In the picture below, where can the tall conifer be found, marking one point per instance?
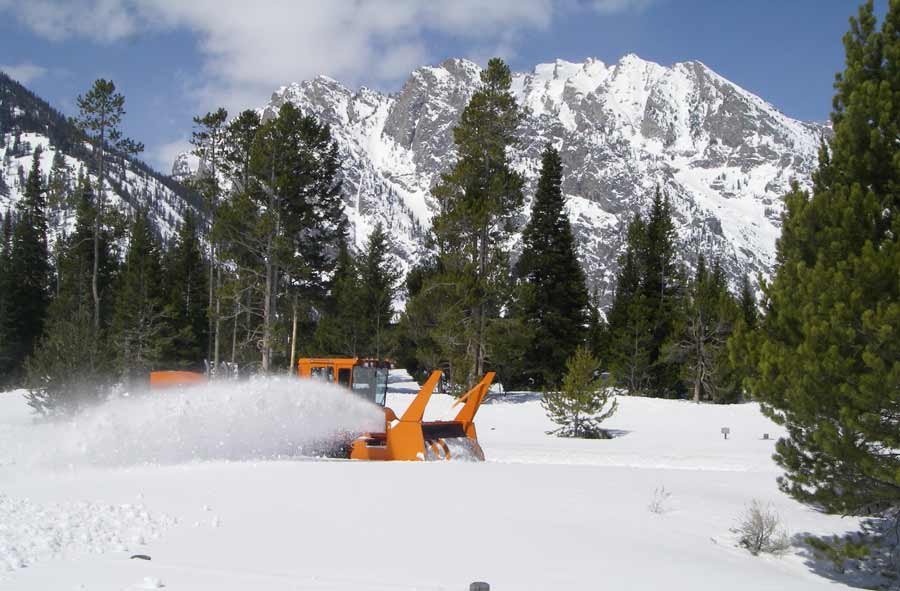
(138, 322)
(29, 266)
(553, 297)
(187, 298)
(828, 364)
(479, 199)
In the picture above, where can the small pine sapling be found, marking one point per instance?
(584, 400)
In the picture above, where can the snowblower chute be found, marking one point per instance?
(409, 438)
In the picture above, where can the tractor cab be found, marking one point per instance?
(367, 378)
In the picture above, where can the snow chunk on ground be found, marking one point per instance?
(31, 533)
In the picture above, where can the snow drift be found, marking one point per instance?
(258, 419)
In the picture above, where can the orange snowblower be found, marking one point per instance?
(409, 438)
(169, 379)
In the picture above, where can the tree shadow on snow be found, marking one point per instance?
(512, 397)
(616, 433)
(878, 569)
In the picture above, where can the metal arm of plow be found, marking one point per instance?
(473, 399)
(416, 410)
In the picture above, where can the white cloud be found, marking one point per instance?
(164, 156)
(616, 6)
(251, 48)
(100, 20)
(23, 73)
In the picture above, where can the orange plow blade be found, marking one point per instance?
(409, 438)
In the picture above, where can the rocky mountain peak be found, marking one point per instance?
(723, 155)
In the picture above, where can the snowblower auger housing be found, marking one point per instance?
(408, 438)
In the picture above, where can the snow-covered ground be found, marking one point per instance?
(541, 513)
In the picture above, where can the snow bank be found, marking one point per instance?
(263, 418)
(32, 533)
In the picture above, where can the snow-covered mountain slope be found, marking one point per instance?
(724, 156)
(27, 122)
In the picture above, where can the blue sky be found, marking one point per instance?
(174, 59)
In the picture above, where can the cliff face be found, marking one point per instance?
(723, 155)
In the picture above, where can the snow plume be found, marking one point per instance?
(259, 419)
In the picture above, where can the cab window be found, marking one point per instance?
(326, 374)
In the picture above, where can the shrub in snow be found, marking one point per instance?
(760, 530)
(660, 502)
(584, 400)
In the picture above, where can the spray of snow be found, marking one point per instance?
(258, 419)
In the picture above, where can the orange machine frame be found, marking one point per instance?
(306, 365)
(168, 379)
(406, 438)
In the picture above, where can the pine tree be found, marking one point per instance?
(187, 298)
(553, 297)
(139, 320)
(72, 364)
(584, 401)
(828, 360)
(6, 283)
(208, 140)
(284, 220)
(29, 269)
(379, 278)
(630, 327)
(661, 287)
(748, 304)
(699, 341)
(76, 262)
(340, 331)
(100, 117)
(239, 286)
(478, 201)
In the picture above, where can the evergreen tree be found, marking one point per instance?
(209, 140)
(630, 325)
(699, 341)
(76, 261)
(138, 322)
(828, 357)
(478, 200)
(341, 331)
(661, 287)
(29, 270)
(100, 117)
(553, 297)
(741, 343)
(379, 278)
(6, 283)
(72, 364)
(285, 218)
(748, 304)
(584, 401)
(70, 368)
(187, 298)
(239, 285)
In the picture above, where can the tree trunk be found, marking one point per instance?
(267, 311)
(293, 336)
(234, 329)
(218, 320)
(95, 289)
(210, 304)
